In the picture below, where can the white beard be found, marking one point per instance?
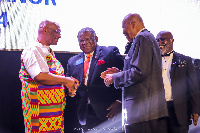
(165, 49)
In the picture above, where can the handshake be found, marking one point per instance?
(108, 75)
(72, 85)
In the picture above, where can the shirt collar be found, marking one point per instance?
(139, 32)
(168, 54)
(43, 46)
(90, 53)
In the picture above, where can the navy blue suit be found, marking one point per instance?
(100, 96)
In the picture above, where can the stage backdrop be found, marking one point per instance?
(19, 20)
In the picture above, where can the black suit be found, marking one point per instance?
(100, 96)
(185, 91)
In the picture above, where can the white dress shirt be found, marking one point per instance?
(166, 68)
(34, 58)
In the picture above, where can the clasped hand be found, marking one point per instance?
(108, 75)
(72, 86)
(194, 117)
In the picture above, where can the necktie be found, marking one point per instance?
(86, 65)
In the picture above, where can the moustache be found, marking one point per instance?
(163, 45)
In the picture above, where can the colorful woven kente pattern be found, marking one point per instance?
(43, 105)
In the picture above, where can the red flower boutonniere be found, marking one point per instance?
(100, 62)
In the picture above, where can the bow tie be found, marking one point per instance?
(168, 54)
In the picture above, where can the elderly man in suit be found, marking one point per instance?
(181, 86)
(144, 102)
(95, 103)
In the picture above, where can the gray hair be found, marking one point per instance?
(86, 29)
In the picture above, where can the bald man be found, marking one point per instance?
(180, 84)
(141, 80)
(43, 81)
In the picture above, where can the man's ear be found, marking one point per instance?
(44, 29)
(96, 38)
(133, 24)
(171, 40)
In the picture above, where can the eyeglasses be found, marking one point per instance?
(87, 40)
(56, 31)
(160, 39)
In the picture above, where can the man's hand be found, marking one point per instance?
(109, 71)
(72, 86)
(115, 109)
(108, 79)
(194, 117)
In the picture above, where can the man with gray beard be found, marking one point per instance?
(180, 84)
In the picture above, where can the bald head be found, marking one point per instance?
(45, 23)
(165, 34)
(132, 24)
(133, 18)
(48, 33)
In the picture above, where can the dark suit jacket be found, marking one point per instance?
(141, 78)
(197, 69)
(184, 88)
(101, 97)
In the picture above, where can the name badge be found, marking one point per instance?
(80, 61)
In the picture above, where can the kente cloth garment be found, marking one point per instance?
(43, 105)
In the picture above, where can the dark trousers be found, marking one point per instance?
(92, 120)
(172, 122)
(152, 126)
(95, 125)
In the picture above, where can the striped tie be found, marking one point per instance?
(86, 65)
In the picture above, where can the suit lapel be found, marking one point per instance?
(79, 67)
(173, 68)
(97, 54)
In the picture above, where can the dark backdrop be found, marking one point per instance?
(11, 116)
